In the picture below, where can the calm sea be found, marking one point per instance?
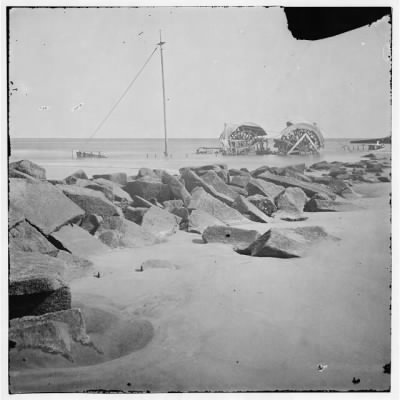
(128, 155)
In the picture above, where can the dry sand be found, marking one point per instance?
(229, 322)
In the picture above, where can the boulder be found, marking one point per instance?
(192, 181)
(159, 222)
(384, 178)
(24, 237)
(321, 165)
(239, 238)
(52, 333)
(85, 183)
(260, 170)
(309, 188)
(264, 203)
(335, 171)
(13, 173)
(91, 222)
(118, 193)
(240, 180)
(248, 209)
(285, 243)
(177, 189)
(326, 205)
(117, 177)
(29, 168)
(259, 186)
(199, 220)
(292, 200)
(219, 184)
(343, 189)
(204, 201)
(91, 201)
(78, 241)
(80, 174)
(148, 188)
(158, 264)
(134, 235)
(323, 180)
(36, 285)
(42, 204)
(135, 214)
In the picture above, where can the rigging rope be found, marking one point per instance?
(120, 98)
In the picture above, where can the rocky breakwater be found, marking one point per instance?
(55, 227)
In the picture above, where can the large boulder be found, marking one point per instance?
(13, 173)
(118, 193)
(36, 285)
(239, 238)
(239, 190)
(326, 205)
(52, 333)
(117, 177)
(148, 189)
(292, 200)
(199, 220)
(91, 222)
(147, 172)
(42, 204)
(78, 241)
(220, 169)
(86, 183)
(248, 209)
(177, 189)
(192, 181)
(29, 168)
(285, 242)
(159, 222)
(25, 237)
(264, 203)
(309, 188)
(201, 200)
(134, 235)
(177, 208)
(259, 186)
(219, 184)
(91, 201)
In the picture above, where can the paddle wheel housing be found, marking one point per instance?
(301, 138)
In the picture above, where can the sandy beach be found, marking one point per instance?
(216, 320)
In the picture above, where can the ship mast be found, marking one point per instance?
(161, 43)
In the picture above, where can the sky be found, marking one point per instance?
(232, 65)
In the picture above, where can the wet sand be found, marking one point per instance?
(229, 322)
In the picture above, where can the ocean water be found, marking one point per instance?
(128, 155)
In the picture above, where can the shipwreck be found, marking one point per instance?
(249, 138)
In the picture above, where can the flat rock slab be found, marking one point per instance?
(309, 189)
(160, 223)
(248, 209)
(199, 220)
(24, 237)
(268, 189)
(51, 333)
(285, 242)
(91, 201)
(36, 285)
(118, 193)
(29, 168)
(177, 188)
(42, 204)
(219, 184)
(78, 241)
(238, 238)
(79, 174)
(204, 201)
(192, 181)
